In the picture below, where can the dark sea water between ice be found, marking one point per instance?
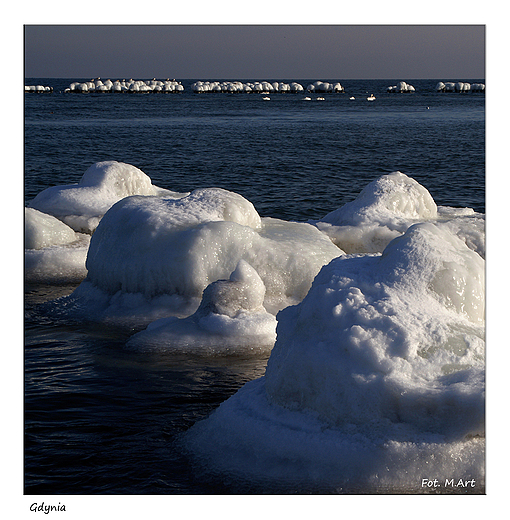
(103, 420)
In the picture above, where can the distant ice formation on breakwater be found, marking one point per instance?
(166, 86)
(129, 86)
(38, 89)
(258, 87)
(264, 87)
(459, 86)
(402, 86)
(320, 86)
(230, 87)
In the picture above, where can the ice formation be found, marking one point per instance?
(248, 87)
(42, 230)
(37, 89)
(231, 318)
(382, 211)
(375, 381)
(161, 253)
(53, 251)
(387, 207)
(459, 86)
(129, 86)
(166, 86)
(324, 86)
(81, 206)
(466, 224)
(400, 87)
(376, 377)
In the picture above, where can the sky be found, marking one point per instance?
(326, 52)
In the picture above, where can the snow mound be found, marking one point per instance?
(81, 206)
(382, 211)
(161, 252)
(401, 338)
(43, 230)
(231, 318)
(54, 253)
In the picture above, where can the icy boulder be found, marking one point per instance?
(401, 338)
(164, 252)
(231, 318)
(382, 211)
(401, 86)
(81, 206)
(376, 378)
(53, 251)
(43, 230)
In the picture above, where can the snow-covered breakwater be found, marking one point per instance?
(126, 86)
(173, 86)
(459, 86)
(258, 87)
(264, 87)
(37, 89)
(401, 87)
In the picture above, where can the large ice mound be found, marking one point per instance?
(162, 253)
(81, 206)
(382, 211)
(401, 338)
(376, 379)
(231, 318)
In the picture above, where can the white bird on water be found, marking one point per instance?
(371, 97)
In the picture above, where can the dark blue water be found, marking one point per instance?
(100, 419)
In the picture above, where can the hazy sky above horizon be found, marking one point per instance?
(256, 51)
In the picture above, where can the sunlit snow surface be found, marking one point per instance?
(376, 377)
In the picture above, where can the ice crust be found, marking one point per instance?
(81, 206)
(376, 377)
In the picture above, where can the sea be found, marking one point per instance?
(101, 419)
